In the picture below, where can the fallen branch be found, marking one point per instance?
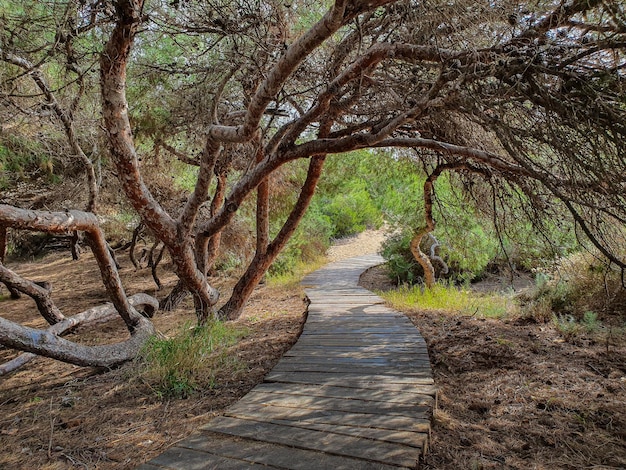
(145, 303)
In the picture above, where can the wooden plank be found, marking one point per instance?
(348, 380)
(338, 404)
(365, 420)
(337, 315)
(178, 458)
(273, 455)
(385, 343)
(361, 340)
(377, 320)
(320, 351)
(312, 350)
(337, 444)
(284, 366)
(346, 392)
(383, 362)
(407, 438)
(355, 330)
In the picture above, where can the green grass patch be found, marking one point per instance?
(177, 367)
(451, 299)
(292, 278)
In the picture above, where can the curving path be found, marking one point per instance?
(355, 392)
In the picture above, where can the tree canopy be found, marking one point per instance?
(525, 102)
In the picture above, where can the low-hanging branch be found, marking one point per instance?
(74, 221)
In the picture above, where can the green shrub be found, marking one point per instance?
(352, 210)
(309, 242)
(22, 159)
(401, 265)
(465, 264)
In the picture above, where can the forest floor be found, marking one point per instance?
(512, 394)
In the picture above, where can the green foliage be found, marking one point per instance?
(401, 265)
(351, 210)
(311, 239)
(185, 176)
(449, 298)
(464, 262)
(24, 159)
(176, 367)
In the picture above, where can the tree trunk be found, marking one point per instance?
(265, 257)
(15, 294)
(429, 191)
(175, 234)
(174, 298)
(39, 294)
(69, 221)
(422, 258)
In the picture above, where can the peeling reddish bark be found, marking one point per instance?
(265, 257)
(70, 221)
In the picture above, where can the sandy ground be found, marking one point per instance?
(364, 243)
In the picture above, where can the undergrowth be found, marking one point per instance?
(177, 367)
(444, 297)
(293, 277)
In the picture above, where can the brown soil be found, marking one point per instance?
(511, 394)
(516, 395)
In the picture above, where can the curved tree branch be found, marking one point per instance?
(100, 314)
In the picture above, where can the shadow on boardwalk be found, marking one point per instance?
(355, 392)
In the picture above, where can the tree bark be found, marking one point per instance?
(39, 294)
(103, 313)
(69, 221)
(429, 191)
(45, 343)
(265, 257)
(175, 234)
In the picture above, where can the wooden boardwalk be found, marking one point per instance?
(355, 392)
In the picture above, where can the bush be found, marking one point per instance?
(352, 210)
(579, 287)
(401, 264)
(24, 159)
(465, 263)
(310, 241)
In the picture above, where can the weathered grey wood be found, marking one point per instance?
(355, 392)
(338, 404)
(345, 392)
(378, 421)
(411, 439)
(274, 455)
(337, 444)
(314, 352)
(188, 459)
(332, 361)
(347, 380)
(353, 369)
